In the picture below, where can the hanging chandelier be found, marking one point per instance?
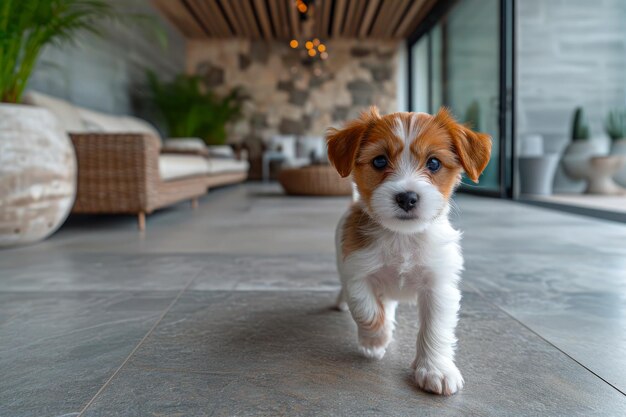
(310, 48)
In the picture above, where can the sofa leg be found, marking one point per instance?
(141, 221)
(195, 203)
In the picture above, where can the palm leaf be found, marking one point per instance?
(189, 110)
(27, 26)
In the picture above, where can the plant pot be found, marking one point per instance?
(618, 148)
(598, 172)
(577, 157)
(37, 174)
(537, 173)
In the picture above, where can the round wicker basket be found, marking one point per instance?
(314, 180)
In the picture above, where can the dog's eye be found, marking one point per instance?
(379, 162)
(433, 164)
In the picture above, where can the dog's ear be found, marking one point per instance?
(343, 144)
(472, 148)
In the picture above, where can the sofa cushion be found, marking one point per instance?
(65, 112)
(101, 122)
(221, 151)
(137, 125)
(220, 165)
(174, 166)
(185, 144)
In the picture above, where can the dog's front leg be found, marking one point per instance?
(374, 317)
(434, 366)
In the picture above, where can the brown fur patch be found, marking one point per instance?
(376, 323)
(380, 141)
(434, 142)
(344, 144)
(355, 230)
(472, 148)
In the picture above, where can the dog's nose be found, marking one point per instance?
(407, 200)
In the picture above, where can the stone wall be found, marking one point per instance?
(289, 97)
(569, 53)
(105, 73)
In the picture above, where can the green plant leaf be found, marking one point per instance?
(27, 26)
(615, 125)
(580, 128)
(189, 109)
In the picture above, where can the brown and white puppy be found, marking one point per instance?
(395, 243)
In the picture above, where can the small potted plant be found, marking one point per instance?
(581, 147)
(615, 127)
(584, 159)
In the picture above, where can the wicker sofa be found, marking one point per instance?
(124, 168)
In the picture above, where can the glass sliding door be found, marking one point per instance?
(420, 86)
(463, 67)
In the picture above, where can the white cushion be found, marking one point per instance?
(65, 112)
(221, 151)
(315, 145)
(219, 165)
(136, 125)
(185, 144)
(101, 122)
(286, 144)
(174, 166)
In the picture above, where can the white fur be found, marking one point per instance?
(416, 260)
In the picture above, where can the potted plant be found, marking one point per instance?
(584, 159)
(37, 161)
(189, 109)
(615, 127)
(581, 148)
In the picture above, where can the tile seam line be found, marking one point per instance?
(143, 339)
(480, 293)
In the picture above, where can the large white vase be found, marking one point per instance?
(37, 174)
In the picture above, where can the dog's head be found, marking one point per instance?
(406, 165)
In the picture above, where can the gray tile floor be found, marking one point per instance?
(225, 311)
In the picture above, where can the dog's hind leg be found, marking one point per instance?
(341, 304)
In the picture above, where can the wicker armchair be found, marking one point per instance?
(119, 173)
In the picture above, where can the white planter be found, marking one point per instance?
(537, 173)
(37, 174)
(577, 157)
(618, 147)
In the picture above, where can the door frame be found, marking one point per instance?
(506, 102)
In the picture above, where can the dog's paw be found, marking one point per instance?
(341, 306)
(443, 380)
(374, 345)
(373, 352)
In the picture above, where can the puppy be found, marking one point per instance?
(395, 243)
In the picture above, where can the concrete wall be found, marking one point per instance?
(569, 53)
(105, 73)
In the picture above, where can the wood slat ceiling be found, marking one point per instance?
(279, 19)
